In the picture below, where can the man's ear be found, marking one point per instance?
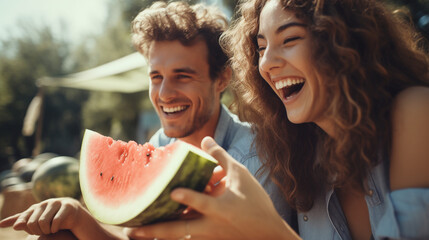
(223, 79)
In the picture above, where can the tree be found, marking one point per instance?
(36, 53)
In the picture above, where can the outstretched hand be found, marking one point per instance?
(46, 217)
(236, 207)
(54, 215)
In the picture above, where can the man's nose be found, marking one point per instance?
(168, 90)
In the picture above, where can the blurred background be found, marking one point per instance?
(69, 65)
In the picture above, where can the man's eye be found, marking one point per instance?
(155, 78)
(180, 76)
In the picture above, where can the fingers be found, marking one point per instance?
(39, 219)
(33, 221)
(218, 174)
(219, 189)
(167, 230)
(200, 202)
(46, 218)
(59, 217)
(21, 222)
(214, 184)
(161, 230)
(9, 221)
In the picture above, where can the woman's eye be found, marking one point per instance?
(260, 50)
(291, 39)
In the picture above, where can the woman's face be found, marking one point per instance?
(285, 63)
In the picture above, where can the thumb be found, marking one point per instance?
(211, 147)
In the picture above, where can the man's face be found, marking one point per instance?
(181, 90)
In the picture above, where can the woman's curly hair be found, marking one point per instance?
(366, 57)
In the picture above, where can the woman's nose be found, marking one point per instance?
(270, 60)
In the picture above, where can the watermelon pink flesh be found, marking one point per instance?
(119, 170)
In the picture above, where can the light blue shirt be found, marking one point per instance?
(236, 138)
(399, 214)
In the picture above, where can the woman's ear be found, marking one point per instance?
(223, 79)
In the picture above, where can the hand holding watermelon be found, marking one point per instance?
(237, 208)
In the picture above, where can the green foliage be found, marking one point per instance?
(113, 114)
(35, 54)
(66, 112)
(230, 4)
(62, 120)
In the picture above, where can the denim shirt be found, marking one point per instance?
(236, 138)
(399, 214)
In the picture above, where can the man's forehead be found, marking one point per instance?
(176, 57)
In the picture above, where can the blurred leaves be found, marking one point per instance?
(418, 14)
(33, 55)
(39, 52)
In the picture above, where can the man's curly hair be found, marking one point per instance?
(185, 23)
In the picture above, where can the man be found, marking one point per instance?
(188, 73)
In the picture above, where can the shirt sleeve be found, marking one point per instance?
(411, 214)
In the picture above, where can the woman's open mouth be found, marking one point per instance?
(290, 86)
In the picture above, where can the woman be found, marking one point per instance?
(338, 95)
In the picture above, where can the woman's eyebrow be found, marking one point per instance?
(288, 25)
(284, 27)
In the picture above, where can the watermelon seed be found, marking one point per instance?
(111, 179)
(147, 154)
(101, 174)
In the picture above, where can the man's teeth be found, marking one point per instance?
(288, 82)
(173, 109)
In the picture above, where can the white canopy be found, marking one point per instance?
(127, 75)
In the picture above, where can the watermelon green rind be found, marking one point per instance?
(164, 208)
(191, 168)
(57, 177)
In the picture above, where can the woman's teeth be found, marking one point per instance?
(288, 82)
(173, 109)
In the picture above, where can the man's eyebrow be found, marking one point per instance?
(177, 70)
(284, 27)
(185, 70)
(153, 72)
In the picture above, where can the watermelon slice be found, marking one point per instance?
(129, 184)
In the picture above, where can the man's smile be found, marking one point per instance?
(174, 110)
